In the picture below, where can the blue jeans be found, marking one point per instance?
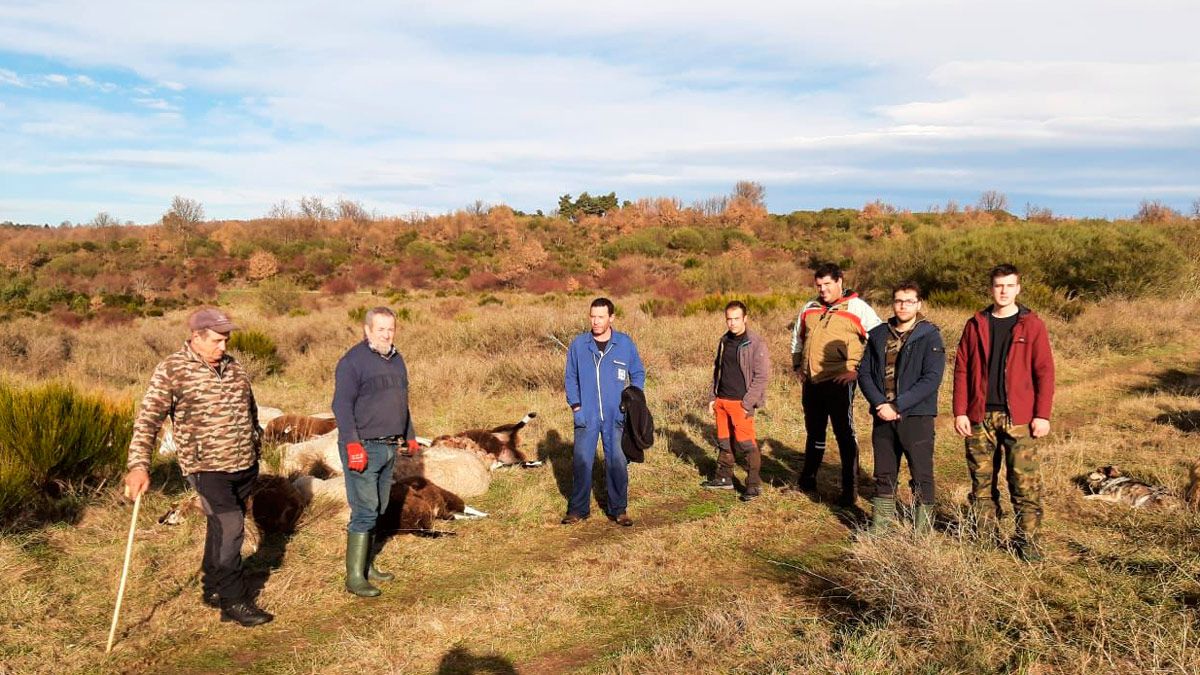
(616, 472)
(368, 491)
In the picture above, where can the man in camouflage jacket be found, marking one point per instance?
(215, 425)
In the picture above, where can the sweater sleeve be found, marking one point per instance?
(798, 338)
(345, 393)
(760, 372)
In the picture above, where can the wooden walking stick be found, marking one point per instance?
(112, 631)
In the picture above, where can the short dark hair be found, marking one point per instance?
(1004, 270)
(908, 285)
(737, 304)
(377, 311)
(604, 302)
(830, 270)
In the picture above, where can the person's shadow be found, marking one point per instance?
(460, 661)
(680, 444)
(559, 453)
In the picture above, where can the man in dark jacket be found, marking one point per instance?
(899, 376)
(370, 402)
(739, 387)
(1003, 395)
(601, 363)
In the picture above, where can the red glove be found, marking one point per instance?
(413, 448)
(356, 457)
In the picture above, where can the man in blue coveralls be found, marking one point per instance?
(600, 364)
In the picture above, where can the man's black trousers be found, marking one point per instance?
(830, 402)
(223, 496)
(911, 437)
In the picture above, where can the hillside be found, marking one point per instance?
(702, 583)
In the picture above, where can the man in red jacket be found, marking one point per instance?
(1003, 394)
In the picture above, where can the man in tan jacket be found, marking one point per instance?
(215, 425)
(828, 341)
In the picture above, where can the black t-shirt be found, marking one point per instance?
(1001, 328)
(601, 345)
(732, 385)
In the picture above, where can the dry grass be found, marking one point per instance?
(702, 583)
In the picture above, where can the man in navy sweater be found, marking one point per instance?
(370, 402)
(600, 365)
(899, 375)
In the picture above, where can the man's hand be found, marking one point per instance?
(847, 377)
(712, 407)
(1039, 427)
(356, 457)
(412, 449)
(137, 481)
(887, 412)
(962, 425)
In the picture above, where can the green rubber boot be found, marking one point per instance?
(923, 519)
(357, 545)
(373, 572)
(883, 513)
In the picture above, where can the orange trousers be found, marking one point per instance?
(734, 424)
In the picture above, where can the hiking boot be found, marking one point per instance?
(808, 483)
(717, 484)
(847, 500)
(572, 518)
(623, 520)
(883, 513)
(244, 612)
(750, 494)
(357, 544)
(212, 599)
(1028, 549)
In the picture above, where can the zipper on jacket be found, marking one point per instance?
(599, 395)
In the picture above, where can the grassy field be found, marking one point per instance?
(702, 583)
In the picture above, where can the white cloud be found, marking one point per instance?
(11, 78)
(450, 101)
(57, 79)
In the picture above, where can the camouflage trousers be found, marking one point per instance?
(996, 443)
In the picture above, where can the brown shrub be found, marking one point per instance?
(339, 285)
(368, 274)
(409, 273)
(483, 281)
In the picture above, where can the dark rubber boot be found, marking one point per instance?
(883, 513)
(357, 545)
(374, 573)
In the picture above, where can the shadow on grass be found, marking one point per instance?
(1187, 421)
(460, 661)
(268, 557)
(1172, 382)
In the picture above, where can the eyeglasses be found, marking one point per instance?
(905, 302)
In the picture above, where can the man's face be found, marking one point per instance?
(209, 345)
(601, 320)
(735, 320)
(905, 304)
(380, 332)
(829, 289)
(1005, 290)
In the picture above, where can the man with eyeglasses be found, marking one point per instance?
(899, 375)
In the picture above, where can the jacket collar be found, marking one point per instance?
(193, 356)
(847, 296)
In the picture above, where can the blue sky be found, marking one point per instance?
(1083, 107)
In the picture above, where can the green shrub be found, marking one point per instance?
(651, 242)
(52, 433)
(277, 296)
(257, 348)
(357, 314)
(1058, 261)
(756, 305)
